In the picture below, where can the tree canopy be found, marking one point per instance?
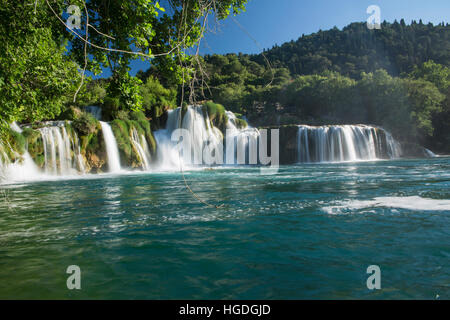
(41, 48)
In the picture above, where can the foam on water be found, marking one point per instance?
(414, 203)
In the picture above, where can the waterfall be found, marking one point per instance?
(4, 163)
(112, 150)
(430, 154)
(245, 142)
(140, 145)
(62, 154)
(201, 132)
(14, 126)
(22, 169)
(345, 143)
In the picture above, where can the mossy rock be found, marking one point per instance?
(72, 113)
(217, 114)
(142, 124)
(39, 160)
(34, 142)
(138, 116)
(86, 124)
(121, 132)
(17, 141)
(241, 123)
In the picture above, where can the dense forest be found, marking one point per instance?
(397, 77)
(396, 48)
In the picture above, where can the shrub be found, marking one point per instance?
(216, 114)
(122, 115)
(110, 108)
(86, 124)
(241, 123)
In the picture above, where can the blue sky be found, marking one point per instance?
(268, 22)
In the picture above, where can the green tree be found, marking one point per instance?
(156, 98)
(36, 75)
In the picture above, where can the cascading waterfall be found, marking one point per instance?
(345, 143)
(140, 144)
(430, 154)
(22, 169)
(62, 154)
(4, 163)
(245, 141)
(202, 133)
(112, 150)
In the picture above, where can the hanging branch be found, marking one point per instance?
(83, 74)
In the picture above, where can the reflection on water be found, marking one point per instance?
(308, 232)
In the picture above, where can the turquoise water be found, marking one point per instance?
(310, 231)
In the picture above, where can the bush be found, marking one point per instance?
(216, 114)
(70, 113)
(122, 115)
(86, 124)
(110, 108)
(241, 123)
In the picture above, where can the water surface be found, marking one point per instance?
(310, 231)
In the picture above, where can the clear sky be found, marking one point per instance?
(269, 22)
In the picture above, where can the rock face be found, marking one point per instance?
(288, 144)
(95, 163)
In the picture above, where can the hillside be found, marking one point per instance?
(397, 77)
(396, 47)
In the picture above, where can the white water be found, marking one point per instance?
(14, 126)
(202, 134)
(61, 156)
(345, 143)
(245, 141)
(140, 145)
(112, 150)
(62, 152)
(413, 203)
(430, 153)
(22, 169)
